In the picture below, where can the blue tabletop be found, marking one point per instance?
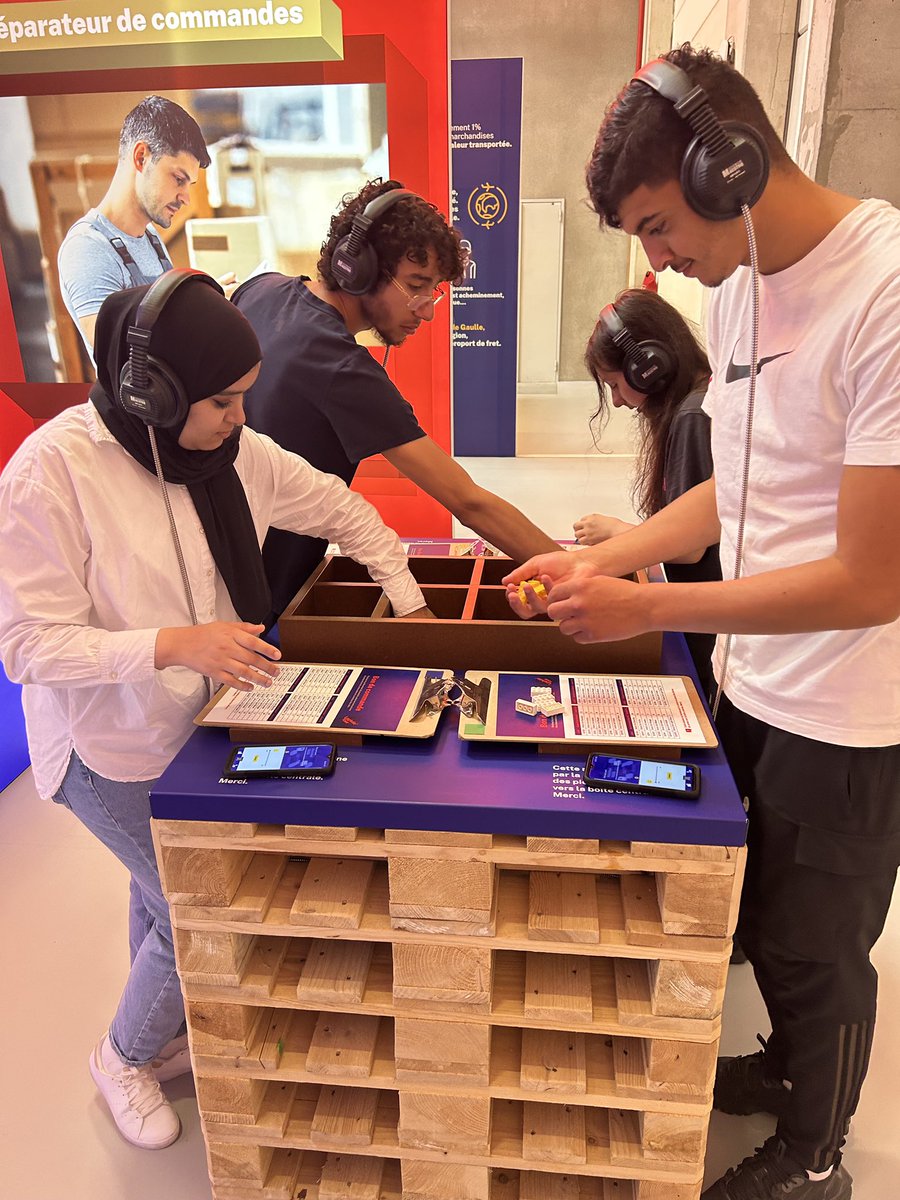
(444, 783)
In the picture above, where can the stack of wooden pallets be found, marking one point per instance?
(448, 1016)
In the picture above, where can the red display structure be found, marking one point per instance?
(401, 43)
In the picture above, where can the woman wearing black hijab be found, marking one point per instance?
(95, 621)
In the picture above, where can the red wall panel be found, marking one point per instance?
(400, 42)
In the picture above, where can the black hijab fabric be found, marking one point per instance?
(209, 345)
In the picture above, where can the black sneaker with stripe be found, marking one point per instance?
(771, 1174)
(744, 1085)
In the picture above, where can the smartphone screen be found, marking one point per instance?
(289, 761)
(642, 775)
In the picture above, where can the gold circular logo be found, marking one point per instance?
(487, 205)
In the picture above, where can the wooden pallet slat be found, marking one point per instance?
(333, 893)
(553, 1133)
(553, 1061)
(562, 906)
(335, 971)
(343, 1044)
(344, 1116)
(558, 987)
(351, 1177)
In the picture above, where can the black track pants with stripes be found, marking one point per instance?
(823, 849)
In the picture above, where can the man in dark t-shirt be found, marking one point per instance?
(323, 396)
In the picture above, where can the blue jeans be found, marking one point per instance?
(150, 1012)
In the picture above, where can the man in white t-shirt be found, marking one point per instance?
(810, 716)
(114, 246)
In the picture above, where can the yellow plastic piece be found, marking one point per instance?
(536, 586)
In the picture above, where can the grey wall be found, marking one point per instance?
(576, 56)
(861, 129)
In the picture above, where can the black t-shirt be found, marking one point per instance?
(689, 462)
(320, 395)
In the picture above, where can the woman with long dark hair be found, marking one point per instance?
(643, 355)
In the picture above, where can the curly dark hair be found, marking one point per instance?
(647, 316)
(642, 139)
(165, 127)
(408, 229)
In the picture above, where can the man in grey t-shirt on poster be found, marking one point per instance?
(113, 246)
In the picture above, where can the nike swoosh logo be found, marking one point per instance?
(738, 371)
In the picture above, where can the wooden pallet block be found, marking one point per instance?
(444, 1181)
(344, 1116)
(673, 1137)
(451, 1124)
(558, 988)
(695, 904)
(228, 1100)
(643, 920)
(221, 1029)
(436, 889)
(211, 956)
(202, 876)
(483, 926)
(553, 1061)
(687, 989)
(351, 1177)
(649, 993)
(333, 893)
(282, 1180)
(663, 1068)
(235, 1163)
(562, 906)
(430, 1051)
(437, 974)
(343, 1044)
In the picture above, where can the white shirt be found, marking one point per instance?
(827, 396)
(89, 574)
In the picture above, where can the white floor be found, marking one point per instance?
(63, 942)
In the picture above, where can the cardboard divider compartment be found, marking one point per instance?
(475, 625)
(491, 605)
(339, 600)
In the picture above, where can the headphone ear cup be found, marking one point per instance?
(162, 403)
(716, 185)
(649, 367)
(356, 273)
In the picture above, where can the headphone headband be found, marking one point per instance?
(354, 262)
(726, 164)
(147, 386)
(615, 326)
(648, 366)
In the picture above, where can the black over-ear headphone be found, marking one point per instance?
(353, 260)
(649, 366)
(148, 387)
(726, 164)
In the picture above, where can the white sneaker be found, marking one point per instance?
(141, 1112)
(174, 1059)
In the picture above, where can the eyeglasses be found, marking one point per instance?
(415, 302)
